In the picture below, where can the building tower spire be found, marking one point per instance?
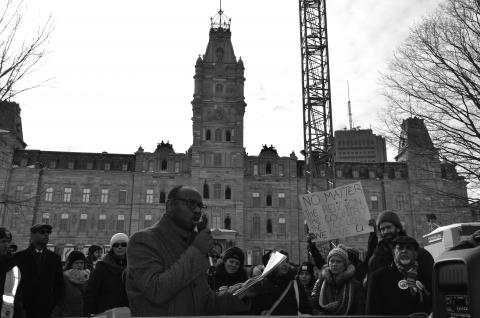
(220, 21)
(349, 107)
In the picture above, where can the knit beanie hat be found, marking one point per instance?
(75, 256)
(340, 253)
(119, 237)
(306, 267)
(389, 216)
(92, 249)
(234, 252)
(352, 252)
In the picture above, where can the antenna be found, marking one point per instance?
(220, 12)
(349, 107)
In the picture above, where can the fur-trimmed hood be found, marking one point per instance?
(339, 279)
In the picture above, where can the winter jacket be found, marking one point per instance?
(166, 275)
(384, 296)
(383, 257)
(334, 285)
(41, 285)
(222, 278)
(71, 303)
(106, 286)
(272, 288)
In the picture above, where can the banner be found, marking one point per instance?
(336, 213)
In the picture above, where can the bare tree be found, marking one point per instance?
(19, 54)
(435, 75)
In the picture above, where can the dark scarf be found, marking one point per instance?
(411, 276)
(336, 292)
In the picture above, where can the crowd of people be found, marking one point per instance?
(165, 270)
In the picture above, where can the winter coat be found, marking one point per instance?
(272, 288)
(384, 296)
(106, 287)
(383, 257)
(334, 285)
(41, 285)
(71, 303)
(222, 278)
(166, 276)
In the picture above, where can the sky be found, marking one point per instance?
(120, 73)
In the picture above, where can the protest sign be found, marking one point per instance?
(336, 213)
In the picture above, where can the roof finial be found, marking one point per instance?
(220, 21)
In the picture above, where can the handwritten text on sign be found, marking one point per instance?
(336, 213)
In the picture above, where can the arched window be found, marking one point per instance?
(228, 135)
(228, 223)
(218, 134)
(208, 135)
(218, 88)
(268, 168)
(269, 226)
(228, 193)
(269, 200)
(206, 191)
(162, 196)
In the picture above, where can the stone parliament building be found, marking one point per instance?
(252, 200)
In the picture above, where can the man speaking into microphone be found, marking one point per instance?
(167, 264)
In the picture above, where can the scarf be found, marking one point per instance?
(77, 276)
(336, 292)
(410, 273)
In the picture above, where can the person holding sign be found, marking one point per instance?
(402, 288)
(337, 292)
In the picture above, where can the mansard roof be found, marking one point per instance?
(80, 160)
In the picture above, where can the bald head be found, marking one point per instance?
(184, 206)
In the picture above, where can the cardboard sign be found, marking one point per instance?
(336, 213)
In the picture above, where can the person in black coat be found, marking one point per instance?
(230, 270)
(41, 285)
(390, 227)
(106, 286)
(271, 289)
(403, 287)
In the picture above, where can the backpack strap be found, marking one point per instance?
(269, 312)
(297, 295)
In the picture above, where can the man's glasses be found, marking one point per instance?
(119, 244)
(42, 232)
(192, 204)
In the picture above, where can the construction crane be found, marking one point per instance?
(316, 94)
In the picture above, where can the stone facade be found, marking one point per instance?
(252, 200)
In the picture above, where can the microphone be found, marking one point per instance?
(200, 226)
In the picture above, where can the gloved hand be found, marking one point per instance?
(203, 241)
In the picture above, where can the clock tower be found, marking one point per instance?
(218, 108)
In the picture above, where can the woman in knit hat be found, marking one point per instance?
(337, 292)
(106, 287)
(230, 270)
(75, 277)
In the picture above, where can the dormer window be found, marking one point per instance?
(268, 168)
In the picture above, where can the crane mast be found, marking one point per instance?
(316, 90)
